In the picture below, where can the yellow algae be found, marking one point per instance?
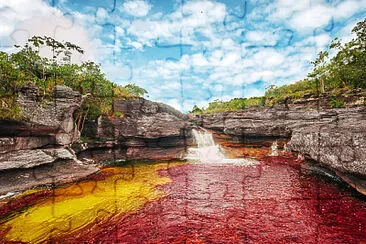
(75, 206)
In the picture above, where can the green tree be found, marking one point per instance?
(196, 110)
(26, 65)
(135, 90)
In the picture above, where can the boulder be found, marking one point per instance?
(56, 115)
(58, 172)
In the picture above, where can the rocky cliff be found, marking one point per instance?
(36, 150)
(143, 130)
(335, 138)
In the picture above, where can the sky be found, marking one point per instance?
(188, 52)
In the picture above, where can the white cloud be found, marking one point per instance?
(101, 14)
(188, 20)
(319, 42)
(136, 8)
(117, 72)
(307, 15)
(311, 18)
(175, 103)
(261, 38)
(24, 18)
(14, 12)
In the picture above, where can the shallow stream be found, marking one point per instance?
(246, 197)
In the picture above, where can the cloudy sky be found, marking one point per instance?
(189, 52)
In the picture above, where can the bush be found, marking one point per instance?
(335, 103)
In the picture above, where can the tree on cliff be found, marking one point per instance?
(28, 66)
(347, 66)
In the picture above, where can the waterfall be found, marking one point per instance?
(208, 152)
(274, 150)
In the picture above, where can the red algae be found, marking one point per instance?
(274, 202)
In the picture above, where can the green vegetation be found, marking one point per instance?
(232, 105)
(335, 103)
(341, 68)
(28, 66)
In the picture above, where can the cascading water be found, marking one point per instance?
(208, 152)
(274, 149)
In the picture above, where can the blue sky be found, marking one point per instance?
(189, 52)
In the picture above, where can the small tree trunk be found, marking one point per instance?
(82, 124)
(322, 88)
(79, 119)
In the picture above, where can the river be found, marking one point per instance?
(222, 193)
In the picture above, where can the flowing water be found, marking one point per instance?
(211, 198)
(208, 152)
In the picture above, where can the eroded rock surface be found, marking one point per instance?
(144, 130)
(42, 138)
(55, 173)
(334, 137)
(30, 158)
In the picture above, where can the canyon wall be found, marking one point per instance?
(336, 138)
(143, 130)
(37, 149)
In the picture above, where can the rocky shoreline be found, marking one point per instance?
(145, 131)
(334, 138)
(45, 147)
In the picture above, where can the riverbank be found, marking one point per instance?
(333, 138)
(46, 148)
(275, 200)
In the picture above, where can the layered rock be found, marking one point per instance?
(35, 157)
(42, 138)
(340, 144)
(335, 138)
(144, 130)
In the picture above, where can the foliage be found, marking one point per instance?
(27, 66)
(9, 109)
(118, 114)
(335, 103)
(232, 105)
(347, 67)
(196, 110)
(135, 90)
(277, 95)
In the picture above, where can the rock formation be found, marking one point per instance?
(42, 139)
(335, 138)
(145, 130)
